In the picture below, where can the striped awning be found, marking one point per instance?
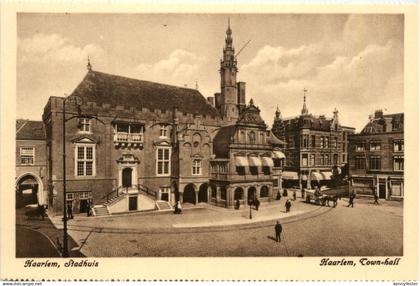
(278, 155)
(316, 176)
(254, 161)
(267, 161)
(289, 175)
(241, 161)
(326, 175)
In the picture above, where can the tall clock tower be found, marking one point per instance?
(228, 71)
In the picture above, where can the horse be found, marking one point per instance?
(325, 200)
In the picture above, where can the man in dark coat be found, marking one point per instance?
(288, 205)
(302, 192)
(351, 200)
(278, 228)
(257, 203)
(376, 197)
(69, 211)
(278, 196)
(237, 205)
(294, 195)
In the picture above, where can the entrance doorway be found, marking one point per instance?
(202, 193)
(27, 191)
(132, 203)
(252, 193)
(126, 176)
(189, 194)
(382, 191)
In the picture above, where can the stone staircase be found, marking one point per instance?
(114, 199)
(101, 210)
(163, 205)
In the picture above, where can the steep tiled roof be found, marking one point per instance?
(29, 130)
(308, 121)
(222, 140)
(117, 90)
(385, 123)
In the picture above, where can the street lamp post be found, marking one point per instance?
(78, 101)
(250, 211)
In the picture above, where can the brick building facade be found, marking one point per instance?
(376, 161)
(136, 145)
(31, 172)
(316, 147)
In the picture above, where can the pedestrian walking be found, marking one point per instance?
(178, 208)
(376, 198)
(351, 200)
(302, 192)
(294, 195)
(278, 196)
(88, 208)
(278, 229)
(288, 205)
(237, 205)
(69, 211)
(257, 204)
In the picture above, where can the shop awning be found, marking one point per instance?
(267, 161)
(326, 175)
(278, 155)
(241, 161)
(304, 178)
(289, 175)
(316, 176)
(254, 161)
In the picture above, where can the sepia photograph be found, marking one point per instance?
(210, 135)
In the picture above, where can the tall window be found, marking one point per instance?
(85, 157)
(163, 131)
(312, 160)
(251, 136)
(322, 141)
(374, 162)
(304, 159)
(163, 161)
(398, 145)
(398, 163)
(360, 162)
(375, 146)
(322, 160)
(327, 159)
(27, 155)
(334, 142)
(335, 159)
(313, 143)
(84, 124)
(327, 142)
(196, 167)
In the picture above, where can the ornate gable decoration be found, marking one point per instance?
(251, 116)
(84, 139)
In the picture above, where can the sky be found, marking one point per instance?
(350, 62)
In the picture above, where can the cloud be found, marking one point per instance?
(356, 84)
(54, 49)
(179, 68)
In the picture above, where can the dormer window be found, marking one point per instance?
(84, 125)
(163, 131)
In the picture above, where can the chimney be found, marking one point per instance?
(241, 93)
(379, 113)
(210, 100)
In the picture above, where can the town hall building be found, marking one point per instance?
(137, 145)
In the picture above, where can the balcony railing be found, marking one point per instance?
(125, 139)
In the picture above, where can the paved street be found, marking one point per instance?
(38, 238)
(365, 229)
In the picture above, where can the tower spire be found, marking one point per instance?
(229, 35)
(89, 66)
(304, 108)
(278, 113)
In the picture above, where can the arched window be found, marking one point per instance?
(251, 136)
(239, 194)
(264, 192)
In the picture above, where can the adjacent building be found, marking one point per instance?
(316, 146)
(136, 145)
(376, 157)
(31, 171)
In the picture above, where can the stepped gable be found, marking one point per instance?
(29, 130)
(117, 90)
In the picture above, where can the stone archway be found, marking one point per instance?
(29, 190)
(189, 194)
(252, 194)
(203, 193)
(264, 192)
(239, 194)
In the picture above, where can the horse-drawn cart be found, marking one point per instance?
(319, 197)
